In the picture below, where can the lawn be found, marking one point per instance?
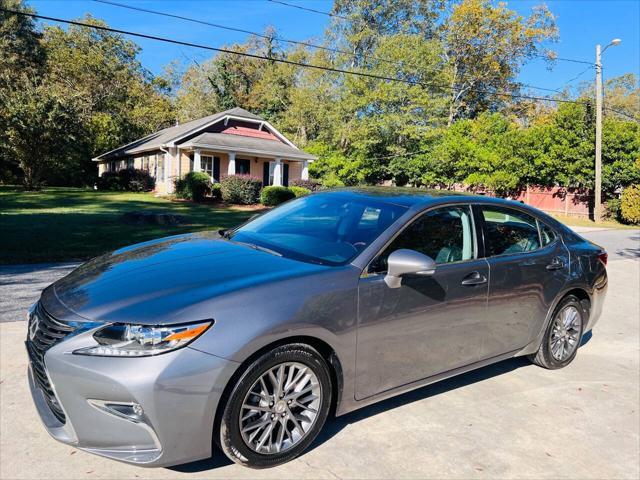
(59, 224)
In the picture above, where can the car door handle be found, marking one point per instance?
(555, 265)
(474, 278)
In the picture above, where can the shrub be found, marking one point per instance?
(109, 181)
(275, 195)
(630, 204)
(134, 180)
(215, 191)
(193, 186)
(612, 212)
(299, 191)
(128, 179)
(240, 189)
(312, 185)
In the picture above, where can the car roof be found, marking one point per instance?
(414, 197)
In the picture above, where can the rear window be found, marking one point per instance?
(509, 231)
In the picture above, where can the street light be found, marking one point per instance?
(598, 193)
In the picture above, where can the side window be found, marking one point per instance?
(509, 231)
(546, 234)
(444, 234)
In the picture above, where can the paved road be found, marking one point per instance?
(509, 420)
(20, 285)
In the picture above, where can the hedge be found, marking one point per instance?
(240, 189)
(630, 204)
(299, 191)
(312, 185)
(193, 186)
(128, 179)
(275, 195)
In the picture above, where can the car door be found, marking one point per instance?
(430, 324)
(528, 267)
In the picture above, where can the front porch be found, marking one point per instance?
(272, 170)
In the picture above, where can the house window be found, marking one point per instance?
(160, 167)
(112, 166)
(145, 163)
(243, 166)
(284, 173)
(211, 166)
(272, 168)
(129, 162)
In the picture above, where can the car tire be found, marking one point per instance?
(285, 422)
(570, 311)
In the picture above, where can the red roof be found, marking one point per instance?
(250, 132)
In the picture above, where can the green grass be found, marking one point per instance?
(59, 224)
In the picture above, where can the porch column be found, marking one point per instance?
(196, 161)
(231, 169)
(305, 170)
(277, 172)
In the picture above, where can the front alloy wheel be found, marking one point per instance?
(277, 408)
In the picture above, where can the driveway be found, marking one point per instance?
(509, 420)
(20, 286)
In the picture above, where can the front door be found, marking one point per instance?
(529, 266)
(430, 324)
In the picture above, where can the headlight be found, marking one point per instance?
(126, 340)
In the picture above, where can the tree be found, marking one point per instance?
(41, 130)
(21, 57)
(485, 45)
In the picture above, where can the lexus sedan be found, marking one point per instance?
(250, 338)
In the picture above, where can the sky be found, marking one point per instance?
(582, 25)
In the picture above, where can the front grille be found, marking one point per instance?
(44, 332)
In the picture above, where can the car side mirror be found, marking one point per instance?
(407, 262)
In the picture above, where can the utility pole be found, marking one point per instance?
(597, 210)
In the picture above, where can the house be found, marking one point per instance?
(233, 142)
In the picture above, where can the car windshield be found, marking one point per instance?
(328, 229)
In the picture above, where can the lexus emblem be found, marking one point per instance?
(33, 328)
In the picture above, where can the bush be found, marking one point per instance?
(612, 211)
(134, 180)
(240, 189)
(275, 195)
(193, 186)
(630, 204)
(129, 180)
(216, 192)
(311, 185)
(109, 181)
(299, 191)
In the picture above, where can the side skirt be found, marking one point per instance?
(349, 405)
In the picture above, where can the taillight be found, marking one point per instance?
(603, 257)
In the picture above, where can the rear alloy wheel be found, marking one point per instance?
(563, 336)
(277, 408)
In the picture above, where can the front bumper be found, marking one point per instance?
(178, 391)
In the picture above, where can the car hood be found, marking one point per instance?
(151, 283)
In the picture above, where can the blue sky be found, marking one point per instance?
(582, 24)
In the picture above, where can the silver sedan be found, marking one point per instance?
(252, 337)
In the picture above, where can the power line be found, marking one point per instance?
(249, 32)
(576, 77)
(312, 10)
(624, 114)
(282, 60)
(334, 15)
(281, 39)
